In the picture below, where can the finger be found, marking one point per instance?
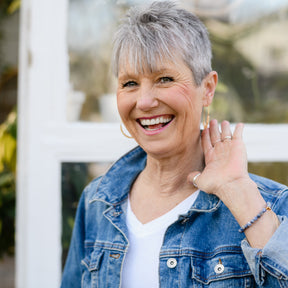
(194, 178)
(214, 132)
(238, 132)
(226, 131)
(206, 141)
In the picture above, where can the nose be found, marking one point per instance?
(147, 98)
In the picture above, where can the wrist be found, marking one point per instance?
(237, 188)
(243, 199)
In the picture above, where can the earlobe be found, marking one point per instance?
(206, 119)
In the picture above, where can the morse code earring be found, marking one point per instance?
(207, 120)
(126, 135)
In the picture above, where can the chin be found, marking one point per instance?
(158, 150)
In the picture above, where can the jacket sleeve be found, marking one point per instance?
(72, 273)
(270, 264)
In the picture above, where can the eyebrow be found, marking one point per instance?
(160, 70)
(125, 76)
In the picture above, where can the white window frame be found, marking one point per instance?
(46, 139)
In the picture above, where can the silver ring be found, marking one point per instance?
(227, 138)
(194, 180)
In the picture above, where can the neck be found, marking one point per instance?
(168, 176)
(163, 184)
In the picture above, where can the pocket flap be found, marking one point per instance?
(93, 261)
(219, 267)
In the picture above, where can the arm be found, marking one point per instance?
(270, 264)
(226, 176)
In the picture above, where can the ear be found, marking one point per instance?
(209, 84)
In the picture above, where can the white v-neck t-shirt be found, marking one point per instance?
(141, 264)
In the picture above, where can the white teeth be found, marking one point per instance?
(147, 122)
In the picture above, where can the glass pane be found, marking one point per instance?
(274, 170)
(75, 176)
(250, 46)
(92, 86)
(251, 57)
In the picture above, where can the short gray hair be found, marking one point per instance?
(160, 31)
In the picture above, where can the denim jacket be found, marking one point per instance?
(203, 248)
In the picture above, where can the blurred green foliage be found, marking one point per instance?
(8, 144)
(8, 137)
(8, 7)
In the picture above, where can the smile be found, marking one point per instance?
(156, 123)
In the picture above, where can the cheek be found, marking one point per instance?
(124, 104)
(184, 98)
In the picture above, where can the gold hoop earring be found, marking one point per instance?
(206, 122)
(126, 135)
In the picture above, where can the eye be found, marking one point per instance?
(166, 79)
(129, 84)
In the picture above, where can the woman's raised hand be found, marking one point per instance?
(226, 176)
(225, 159)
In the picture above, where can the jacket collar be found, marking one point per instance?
(115, 185)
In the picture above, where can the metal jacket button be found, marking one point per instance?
(171, 263)
(219, 268)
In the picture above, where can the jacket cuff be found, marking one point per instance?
(273, 258)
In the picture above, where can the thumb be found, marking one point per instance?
(194, 178)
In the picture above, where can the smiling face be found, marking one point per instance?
(162, 109)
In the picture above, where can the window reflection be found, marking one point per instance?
(90, 29)
(75, 176)
(250, 46)
(276, 171)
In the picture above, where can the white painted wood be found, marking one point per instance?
(87, 141)
(46, 140)
(43, 84)
(266, 143)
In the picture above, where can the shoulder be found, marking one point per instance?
(111, 187)
(90, 190)
(268, 185)
(272, 191)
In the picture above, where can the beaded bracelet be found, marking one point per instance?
(244, 227)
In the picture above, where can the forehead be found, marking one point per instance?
(146, 68)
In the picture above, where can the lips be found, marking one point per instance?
(155, 123)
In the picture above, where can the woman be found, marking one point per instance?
(148, 222)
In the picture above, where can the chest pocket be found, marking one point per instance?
(227, 270)
(101, 268)
(91, 266)
(92, 261)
